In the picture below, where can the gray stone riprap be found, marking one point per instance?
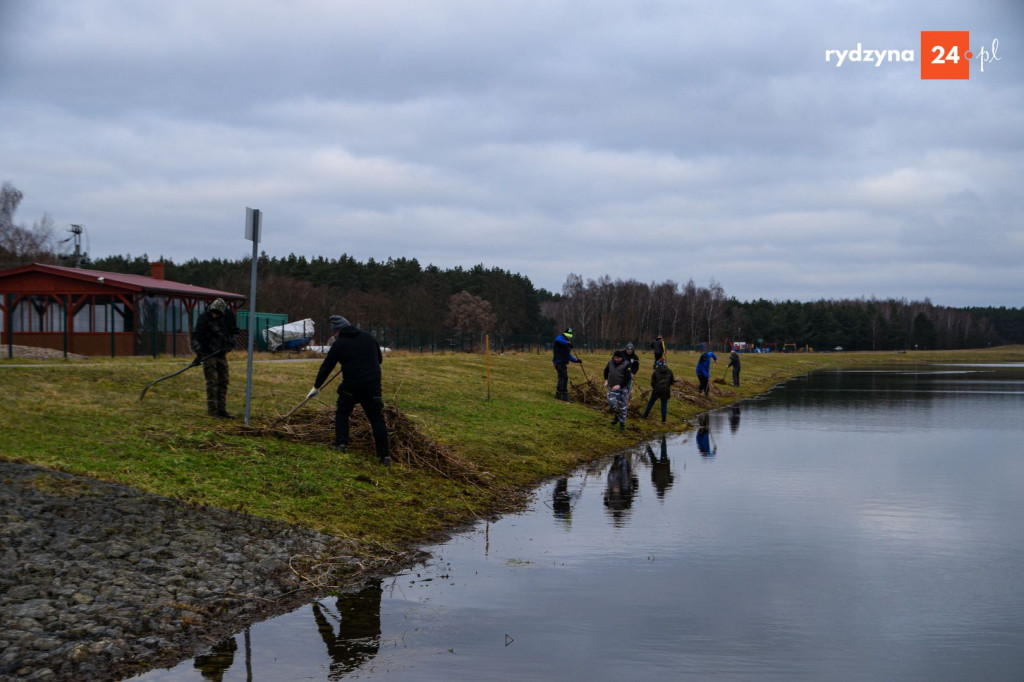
(101, 581)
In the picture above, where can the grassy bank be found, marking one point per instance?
(85, 417)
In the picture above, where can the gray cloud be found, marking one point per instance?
(652, 140)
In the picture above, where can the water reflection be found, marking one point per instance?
(357, 640)
(894, 557)
(561, 500)
(705, 441)
(661, 468)
(213, 665)
(622, 484)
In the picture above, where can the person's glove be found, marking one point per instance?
(198, 361)
(313, 392)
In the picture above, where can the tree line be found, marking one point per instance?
(689, 316)
(400, 293)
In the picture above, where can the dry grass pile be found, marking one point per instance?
(687, 391)
(407, 443)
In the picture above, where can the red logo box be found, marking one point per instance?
(945, 55)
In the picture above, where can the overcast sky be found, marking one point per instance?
(654, 140)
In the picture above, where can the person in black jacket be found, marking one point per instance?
(360, 358)
(658, 346)
(214, 335)
(734, 362)
(661, 388)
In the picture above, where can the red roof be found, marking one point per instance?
(139, 283)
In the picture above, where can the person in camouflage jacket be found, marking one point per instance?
(214, 335)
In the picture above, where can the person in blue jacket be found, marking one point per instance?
(704, 371)
(562, 356)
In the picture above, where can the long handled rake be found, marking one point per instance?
(194, 363)
(580, 363)
(306, 399)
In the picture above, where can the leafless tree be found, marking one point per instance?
(20, 245)
(469, 313)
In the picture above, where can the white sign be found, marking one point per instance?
(253, 223)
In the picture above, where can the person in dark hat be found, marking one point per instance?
(360, 357)
(562, 356)
(661, 388)
(734, 362)
(215, 335)
(619, 381)
(632, 362)
(631, 358)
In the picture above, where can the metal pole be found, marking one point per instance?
(152, 322)
(176, 317)
(9, 325)
(67, 315)
(255, 225)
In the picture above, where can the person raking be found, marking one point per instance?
(360, 357)
(561, 357)
(704, 371)
(214, 335)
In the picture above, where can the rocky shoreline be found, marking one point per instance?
(101, 581)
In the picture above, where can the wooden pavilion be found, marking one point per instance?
(90, 312)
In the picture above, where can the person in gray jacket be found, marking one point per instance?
(734, 362)
(619, 381)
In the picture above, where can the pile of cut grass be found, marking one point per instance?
(407, 443)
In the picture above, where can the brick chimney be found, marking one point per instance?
(156, 270)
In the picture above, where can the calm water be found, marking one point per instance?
(848, 526)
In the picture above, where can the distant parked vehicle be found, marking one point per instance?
(838, 349)
(294, 336)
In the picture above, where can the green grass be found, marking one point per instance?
(85, 417)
